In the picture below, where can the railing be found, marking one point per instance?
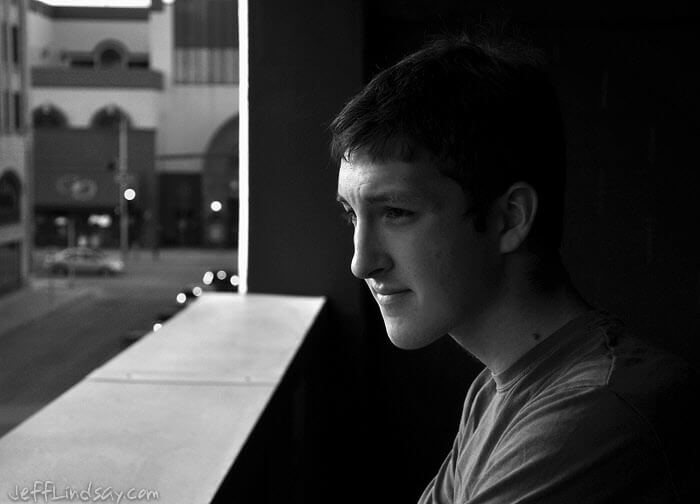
(166, 419)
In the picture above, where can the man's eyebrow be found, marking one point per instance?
(387, 197)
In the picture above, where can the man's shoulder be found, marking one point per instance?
(624, 389)
(607, 379)
(611, 355)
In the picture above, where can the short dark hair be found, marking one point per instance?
(485, 109)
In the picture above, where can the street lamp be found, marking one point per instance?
(123, 179)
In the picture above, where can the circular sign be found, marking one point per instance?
(77, 187)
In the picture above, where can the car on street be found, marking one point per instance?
(83, 260)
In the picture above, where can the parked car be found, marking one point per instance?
(221, 280)
(83, 260)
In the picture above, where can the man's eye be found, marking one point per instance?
(349, 217)
(397, 213)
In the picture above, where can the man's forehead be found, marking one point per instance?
(395, 181)
(387, 195)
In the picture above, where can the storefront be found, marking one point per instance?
(78, 187)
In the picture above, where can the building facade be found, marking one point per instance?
(169, 72)
(15, 172)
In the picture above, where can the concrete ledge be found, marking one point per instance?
(172, 412)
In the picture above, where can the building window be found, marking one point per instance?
(48, 116)
(15, 44)
(10, 270)
(109, 117)
(5, 98)
(111, 54)
(79, 62)
(9, 199)
(3, 34)
(206, 42)
(19, 116)
(138, 62)
(110, 58)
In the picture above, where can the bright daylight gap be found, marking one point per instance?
(243, 154)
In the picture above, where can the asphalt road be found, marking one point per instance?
(44, 358)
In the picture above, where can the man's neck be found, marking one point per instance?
(518, 323)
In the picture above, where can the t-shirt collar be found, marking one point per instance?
(566, 335)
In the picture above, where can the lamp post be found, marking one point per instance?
(123, 181)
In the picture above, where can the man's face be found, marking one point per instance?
(429, 271)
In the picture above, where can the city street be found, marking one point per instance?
(45, 356)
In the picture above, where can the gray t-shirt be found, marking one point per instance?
(589, 415)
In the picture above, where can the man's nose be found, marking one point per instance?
(370, 257)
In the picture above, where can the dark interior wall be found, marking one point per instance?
(305, 61)
(631, 109)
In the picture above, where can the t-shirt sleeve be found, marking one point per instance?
(576, 445)
(441, 490)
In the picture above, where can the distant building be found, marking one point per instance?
(15, 178)
(171, 72)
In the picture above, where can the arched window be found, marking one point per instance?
(10, 198)
(110, 58)
(48, 116)
(111, 54)
(109, 117)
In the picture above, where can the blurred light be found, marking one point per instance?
(235, 280)
(103, 221)
(129, 194)
(197, 291)
(181, 298)
(221, 275)
(60, 221)
(216, 206)
(157, 326)
(168, 2)
(208, 278)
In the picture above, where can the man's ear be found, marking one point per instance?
(517, 208)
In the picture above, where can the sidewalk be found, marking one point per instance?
(35, 300)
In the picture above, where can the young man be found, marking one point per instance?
(452, 174)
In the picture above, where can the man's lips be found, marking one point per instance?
(388, 295)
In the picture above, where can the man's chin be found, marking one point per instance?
(408, 339)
